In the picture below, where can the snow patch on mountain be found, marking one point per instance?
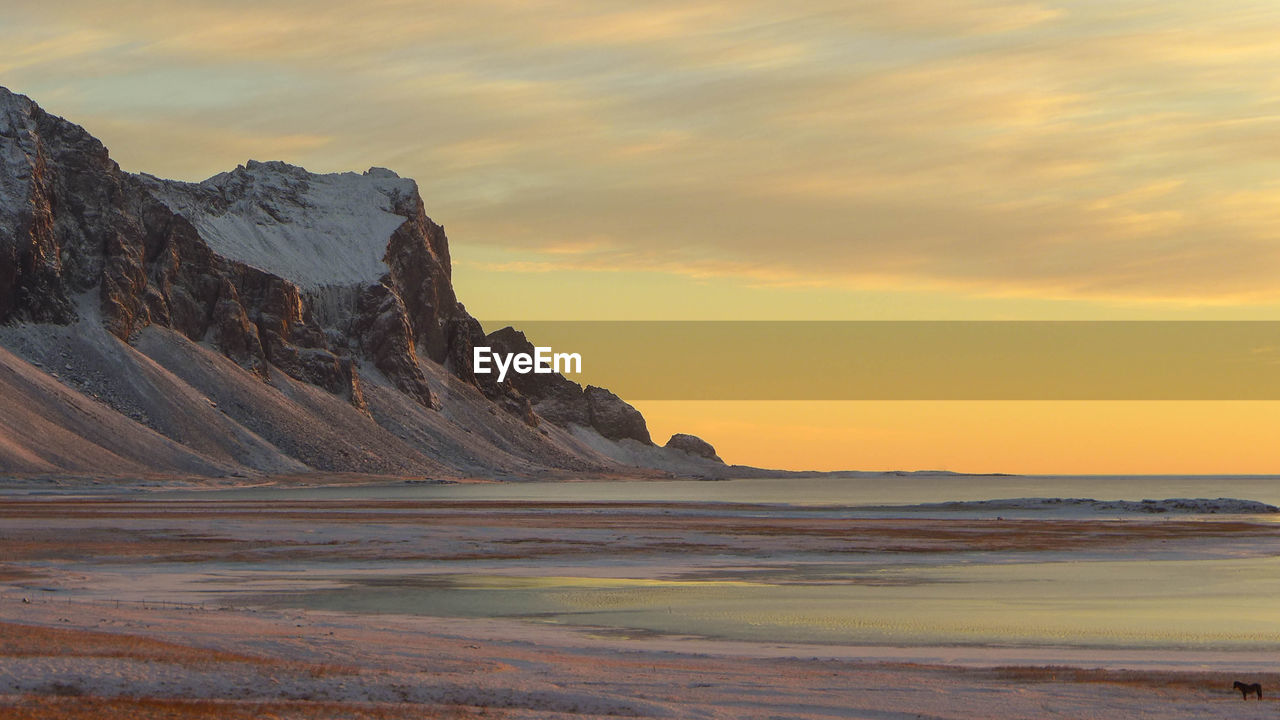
(315, 230)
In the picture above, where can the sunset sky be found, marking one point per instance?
(886, 159)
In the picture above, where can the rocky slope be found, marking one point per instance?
(266, 320)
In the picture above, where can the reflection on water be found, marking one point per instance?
(1223, 604)
(851, 491)
(770, 575)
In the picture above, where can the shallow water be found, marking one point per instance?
(849, 491)
(1206, 604)
(757, 560)
(1217, 594)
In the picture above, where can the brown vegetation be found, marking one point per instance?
(18, 640)
(1207, 682)
(95, 708)
(639, 527)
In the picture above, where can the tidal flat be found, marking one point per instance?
(403, 602)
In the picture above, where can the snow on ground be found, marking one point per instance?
(316, 230)
(77, 574)
(1191, 506)
(533, 672)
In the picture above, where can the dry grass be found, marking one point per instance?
(1206, 682)
(17, 640)
(640, 527)
(10, 574)
(96, 708)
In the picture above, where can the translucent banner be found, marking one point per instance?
(945, 360)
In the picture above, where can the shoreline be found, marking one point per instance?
(356, 666)
(209, 643)
(616, 640)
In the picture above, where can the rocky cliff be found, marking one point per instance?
(340, 283)
(562, 401)
(693, 445)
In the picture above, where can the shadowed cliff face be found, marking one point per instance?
(74, 221)
(420, 272)
(313, 330)
(276, 268)
(47, 255)
(78, 222)
(561, 400)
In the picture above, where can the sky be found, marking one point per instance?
(884, 159)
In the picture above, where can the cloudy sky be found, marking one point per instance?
(803, 159)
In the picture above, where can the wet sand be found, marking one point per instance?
(86, 630)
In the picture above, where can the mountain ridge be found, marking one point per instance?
(309, 319)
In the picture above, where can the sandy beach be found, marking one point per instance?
(152, 607)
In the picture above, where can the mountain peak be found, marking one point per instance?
(268, 167)
(315, 230)
(288, 320)
(11, 104)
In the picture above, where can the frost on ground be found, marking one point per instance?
(1190, 506)
(69, 659)
(136, 607)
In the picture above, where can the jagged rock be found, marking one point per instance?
(234, 333)
(277, 269)
(553, 396)
(370, 270)
(385, 336)
(693, 445)
(419, 268)
(560, 400)
(289, 337)
(518, 405)
(33, 279)
(80, 221)
(614, 418)
(465, 333)
(182, 281)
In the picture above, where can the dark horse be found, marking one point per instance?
(1246, 689)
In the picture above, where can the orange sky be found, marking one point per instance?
(1165, 437)
(888, 159)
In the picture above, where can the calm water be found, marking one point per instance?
(1220, 605)
(1219, 594)
(876, 490)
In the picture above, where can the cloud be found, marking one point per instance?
(26, 49)
(1006, 148)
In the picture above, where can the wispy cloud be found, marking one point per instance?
(1010, 148)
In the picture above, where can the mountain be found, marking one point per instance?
(267, 320)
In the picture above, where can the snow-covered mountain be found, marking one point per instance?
(266, 320)
(315, 231)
